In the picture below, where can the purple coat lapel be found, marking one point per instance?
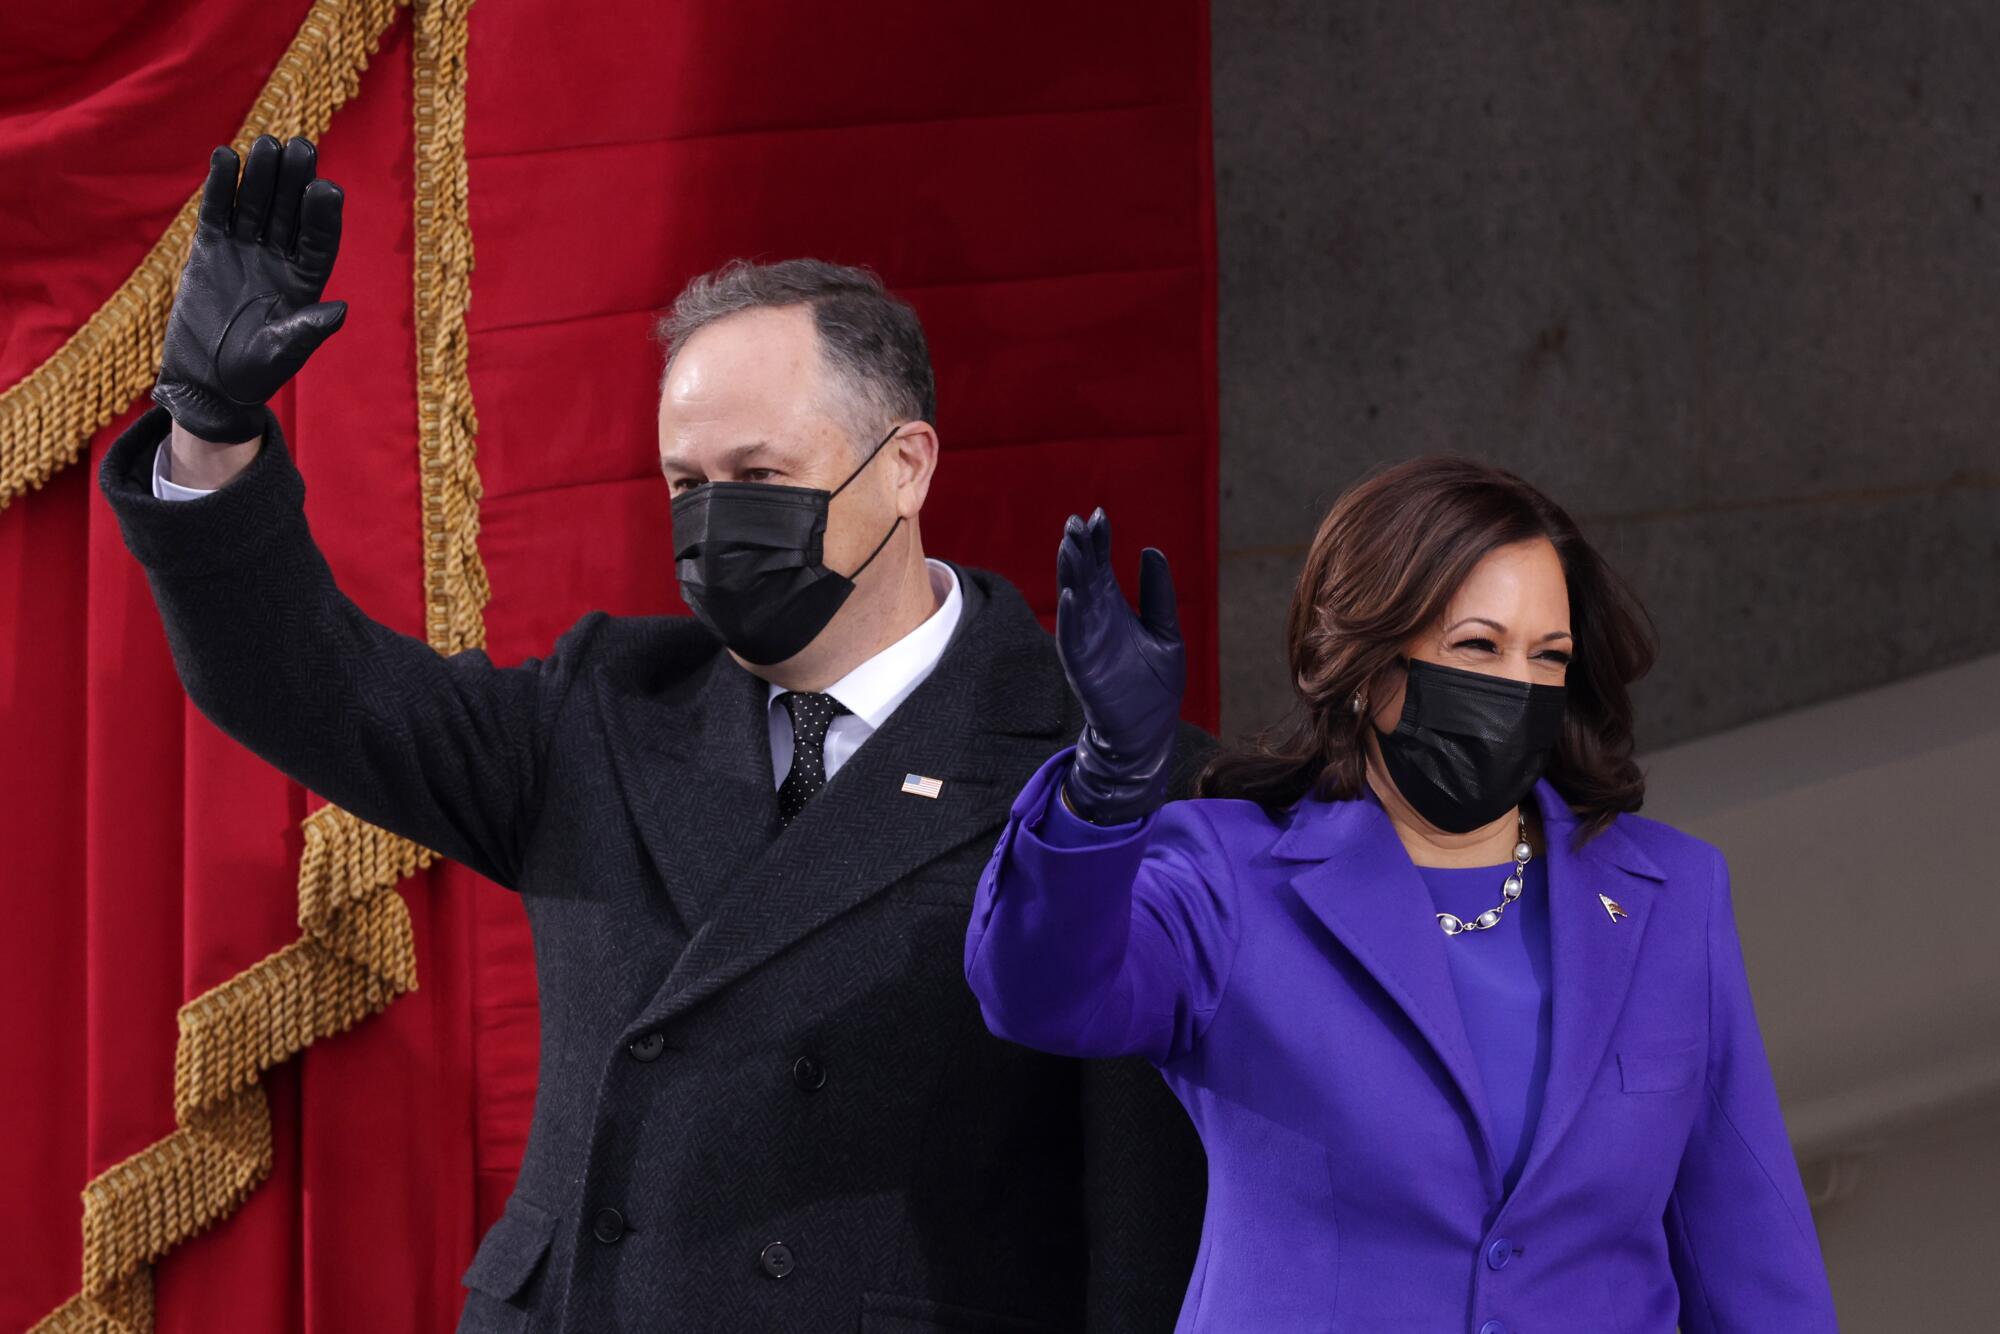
(1363, 886)
(1591, 955)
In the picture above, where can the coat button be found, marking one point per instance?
(1493, 1327)
(647, 1047)
(608, 1226)
(1500, 1252)
(776, 1259)
(808, 1074)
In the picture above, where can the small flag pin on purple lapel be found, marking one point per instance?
(1611, 908)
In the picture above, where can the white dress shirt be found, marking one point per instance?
(871, 691)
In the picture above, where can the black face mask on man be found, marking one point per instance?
(750, 560)
(1469, 746)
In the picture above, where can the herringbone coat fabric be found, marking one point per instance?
(758, 1047)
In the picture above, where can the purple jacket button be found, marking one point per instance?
(1493, 1327)
(1498, 1254)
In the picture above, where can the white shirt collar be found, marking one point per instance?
(875, 687)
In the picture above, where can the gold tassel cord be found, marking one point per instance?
(355, 952)
(49, 416)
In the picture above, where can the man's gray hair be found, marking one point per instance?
(870, 339)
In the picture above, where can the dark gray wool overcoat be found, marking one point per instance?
(767, 1100)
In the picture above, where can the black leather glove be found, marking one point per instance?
(247, 313)
(1127, 671)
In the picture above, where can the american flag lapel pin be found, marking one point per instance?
(919, 786)
(1611, 908)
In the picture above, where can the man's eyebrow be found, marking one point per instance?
(734, 456)
(1553, 634)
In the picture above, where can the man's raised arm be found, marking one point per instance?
(448, 751)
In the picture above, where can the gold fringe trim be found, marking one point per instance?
(355, 953)
(455, 587)
(48, 418)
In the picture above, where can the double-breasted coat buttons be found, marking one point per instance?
(808, 1074)
(776, 1259)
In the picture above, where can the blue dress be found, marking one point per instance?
(1501, 976)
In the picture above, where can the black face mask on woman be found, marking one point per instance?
(749, 557)
(1469, 746)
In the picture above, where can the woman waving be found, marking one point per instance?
(1469, 1042)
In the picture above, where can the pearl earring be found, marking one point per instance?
(1357, 702)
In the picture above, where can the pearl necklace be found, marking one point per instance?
(1509, 891)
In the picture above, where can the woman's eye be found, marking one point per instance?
(1552, 655)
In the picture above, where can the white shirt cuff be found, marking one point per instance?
(166, 490)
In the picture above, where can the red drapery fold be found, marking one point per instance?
(1034, 178)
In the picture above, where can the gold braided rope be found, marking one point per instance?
(48, 418)
(355, 952)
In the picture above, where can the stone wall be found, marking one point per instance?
(1723, 280)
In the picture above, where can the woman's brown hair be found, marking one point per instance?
(1383, 566)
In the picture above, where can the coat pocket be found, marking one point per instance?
(889, 1313)
(1661, 1070)
(503, 1267)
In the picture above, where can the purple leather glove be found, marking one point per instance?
(1128, 672)
(247, 312)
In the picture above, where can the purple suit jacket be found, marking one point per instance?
(1290, 982)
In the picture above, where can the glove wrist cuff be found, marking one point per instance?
(1104, 791)
(208, 415)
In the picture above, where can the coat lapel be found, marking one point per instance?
(1591, 957)
(1366, 890)
(991, 708)
(1370, 895)
(695, 765)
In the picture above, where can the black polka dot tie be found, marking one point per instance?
(812, 713)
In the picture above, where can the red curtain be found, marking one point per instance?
(1035, 178)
